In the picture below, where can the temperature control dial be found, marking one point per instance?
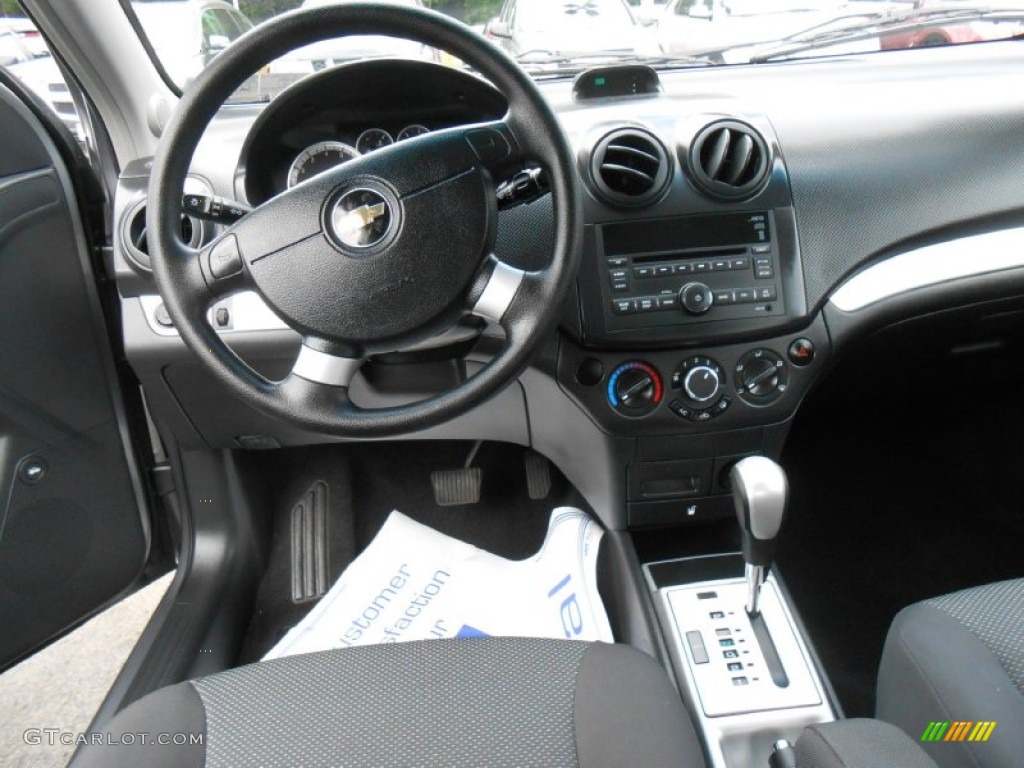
(635, 388)
(762, 376)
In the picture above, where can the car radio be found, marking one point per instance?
(669, 275)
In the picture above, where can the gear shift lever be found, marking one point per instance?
(759, 489)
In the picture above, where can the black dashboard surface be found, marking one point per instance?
(342, 104)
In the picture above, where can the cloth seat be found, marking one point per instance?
(959, 658)
(478, 702)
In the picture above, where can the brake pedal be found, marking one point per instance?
(457, 486)
(454, 487)
(538, 475)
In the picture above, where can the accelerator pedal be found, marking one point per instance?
(538, 475)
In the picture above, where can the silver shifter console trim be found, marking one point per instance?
(722, 671)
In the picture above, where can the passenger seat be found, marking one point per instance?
(959, 658)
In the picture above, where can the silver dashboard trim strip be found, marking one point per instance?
(932, 265)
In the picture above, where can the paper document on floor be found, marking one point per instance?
(414, 583)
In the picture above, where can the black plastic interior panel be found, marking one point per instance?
(876, 160)
(72, 535)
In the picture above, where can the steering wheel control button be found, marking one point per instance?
(762, 376)
(696, 298)
(488, 145)
(635, 388)
(801, 352)
(362, 218)
(225, 258)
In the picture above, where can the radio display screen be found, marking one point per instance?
(686, 232)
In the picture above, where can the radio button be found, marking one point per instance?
(623, 306)
(724, 297)
(696, 298)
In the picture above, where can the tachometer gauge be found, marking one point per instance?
(412, 131)
(373, 138)
(318, 158)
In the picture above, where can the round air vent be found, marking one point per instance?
(133, 234)
(729, 159)
(630, 167)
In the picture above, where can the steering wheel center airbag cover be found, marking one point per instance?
(398, 239)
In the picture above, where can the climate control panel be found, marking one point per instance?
(724, 388)
(701, 390)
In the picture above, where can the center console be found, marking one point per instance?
(744, 701)
(737, 651)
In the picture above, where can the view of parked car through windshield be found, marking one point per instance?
(547, 38)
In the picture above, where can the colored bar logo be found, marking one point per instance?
(959, 730)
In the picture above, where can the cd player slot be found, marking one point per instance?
(707, 253)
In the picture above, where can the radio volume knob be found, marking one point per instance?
(695, 298)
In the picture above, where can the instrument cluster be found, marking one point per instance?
(324, 155)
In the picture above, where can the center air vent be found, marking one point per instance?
(729, 159)
(134, 234)
(630, 167)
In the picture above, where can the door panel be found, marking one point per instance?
(73, 523)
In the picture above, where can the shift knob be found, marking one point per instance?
(759, 489)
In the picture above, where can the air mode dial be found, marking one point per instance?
(762, 376)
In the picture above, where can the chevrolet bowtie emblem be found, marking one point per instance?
(361, 217)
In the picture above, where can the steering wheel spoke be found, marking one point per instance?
(317, 363)
(495, 289)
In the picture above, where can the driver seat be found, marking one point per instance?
(453, 703)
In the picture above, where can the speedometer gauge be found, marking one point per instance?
(373, 138)
(412, 131)
(318, 158)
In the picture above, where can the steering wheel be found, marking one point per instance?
(378, 253)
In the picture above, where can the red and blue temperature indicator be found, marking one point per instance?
(635, 388)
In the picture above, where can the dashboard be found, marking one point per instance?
(346, 112)
(742, 226)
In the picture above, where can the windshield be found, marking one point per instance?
(560, 38)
